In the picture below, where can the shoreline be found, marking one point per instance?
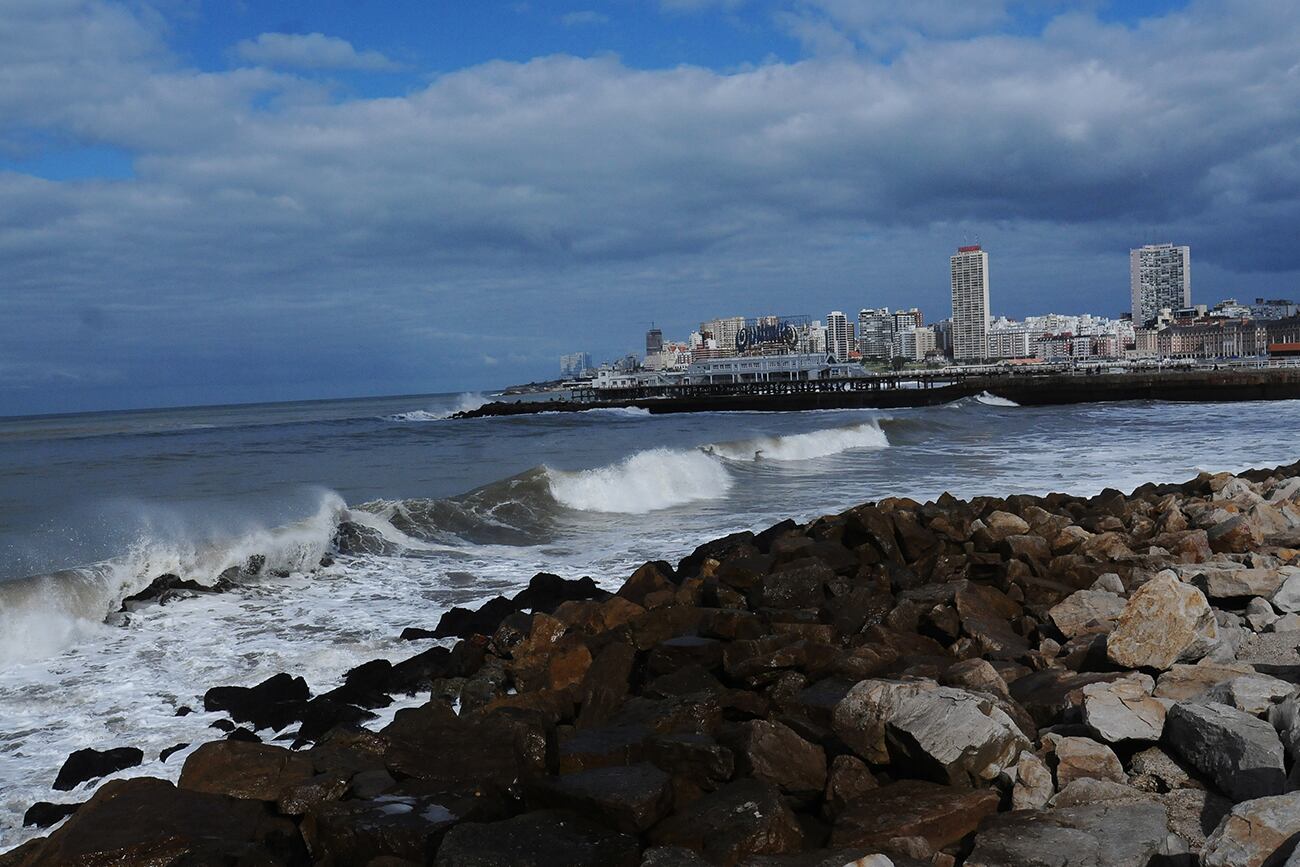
(793, 670)
(1200, 386)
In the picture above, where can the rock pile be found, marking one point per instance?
(1020, 681)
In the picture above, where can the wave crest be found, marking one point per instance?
(467, 402)
(804, 446)
(645, 482)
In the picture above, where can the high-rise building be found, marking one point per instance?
(1160, 275)
(875, 332)
(654, 342)
(970, 303)
(839, 335)
(724, 331)
(905, 319)
(575, 364)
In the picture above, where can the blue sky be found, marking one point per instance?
(238, 201)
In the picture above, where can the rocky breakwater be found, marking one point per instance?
(1016, 681)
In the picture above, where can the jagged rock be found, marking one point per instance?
(947, 734)
(735, 823)
(1182, 682)
(942, 815)
(1080, 758)
(1098, 835)
(260, 772)
(298, 799)
(630, 799)
(89, 764)
(1256, 833)
(1123, 710)
(1260, 614)
(1033, 783)
(145, 822)
(1252, 693)
(1235, 535)
(1164, 622)
(1053, 693)
(773, 752)
(1109, 582)
(1241, 753)
(1087, 612)
(1287, 597)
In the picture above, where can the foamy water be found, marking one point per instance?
(464, 509)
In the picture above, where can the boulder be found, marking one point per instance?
(274, 703)
(1000, 525)
(1233, 580)
(775, 753)
(145, 822)
(498, 750)
(1252, 693)
(1256, 833)
(1260, 614)
(1241, 753)
(942, 815)
(737, 822)
(259, 772)
(1087, 612)
(629, 799)
(90, 764)
(1235, 535)
(1097, 835)
(949, 735)
(1182, 682)
(1164, 622)
(1033, 786)
(392, 826)
(1287, 597)
(1123, 710)
(43, 814)
(1083, 758)
(848, 780)
(545, 838)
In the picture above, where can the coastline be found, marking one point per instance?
(1071, 646)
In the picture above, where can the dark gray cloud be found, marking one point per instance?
(278, 240)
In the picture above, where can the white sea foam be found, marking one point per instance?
(467, 402)
(804, 446)
(993, 400)
(645, 482)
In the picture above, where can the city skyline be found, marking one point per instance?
(214, 203)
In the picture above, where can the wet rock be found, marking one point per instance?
(260, 772)
(546, 592)
(1241, 753)
(274, 703)
(1087, 612)
(739, 821)
(1163, 622)
(1083, 758)
(297, 799)
(394, 826)
(43, 814)
(942, 815)
(1123, 710)
(494, 750)
(90, 764)
(630, 799)
(145, 822)
(1100, 835)
(170, 751)
(773, 752)
(946, 734)
(1256, 833)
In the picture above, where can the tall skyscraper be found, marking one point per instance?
(1160, 275)
(970, 303)
(839, 335)
(875, 332)
(575, 364)
(654, 342)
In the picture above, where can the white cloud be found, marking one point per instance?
(310, 51)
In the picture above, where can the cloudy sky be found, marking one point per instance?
(236, 201)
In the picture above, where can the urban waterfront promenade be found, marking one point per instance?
(1058, 384)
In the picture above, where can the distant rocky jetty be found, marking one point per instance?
(1004, 682)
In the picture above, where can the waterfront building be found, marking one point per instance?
(970, 303)
(654, 341)
(769, 368)
(1160, 275)
(1009, 342)
(839, 335)
(875, 332)
(913, 343)
(574, 364)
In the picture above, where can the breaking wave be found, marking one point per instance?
(645, 482)
(804, 446)
(993, 400)
(468, 401)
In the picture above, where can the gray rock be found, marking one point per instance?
(1033, 783)
(947, 734)
(1096, 835)
(1087, 612)
(1241, 753)
(1154, 770)
(1233, 580)
(1110, 582)
(1287, 623)
(1164, 622)
(1123, 710)
(1287, 597)
(1260, 614)
(1182, 682)
(1252, 693)
(1256, 833)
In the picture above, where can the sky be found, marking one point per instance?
(222, 202)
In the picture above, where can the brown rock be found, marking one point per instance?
(1083, 758)
(942, 815)
(649, 578)
(259, 772)
(1235, 535)
(544, 838)
(773, 752)
(1182, 682)
(630, 799)
(739, 821)
(849, 780)
(1164, 622)
(606, 683)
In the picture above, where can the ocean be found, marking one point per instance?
(93, 507)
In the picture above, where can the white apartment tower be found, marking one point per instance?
(970, 304)
(1160, 275)
(839, 335)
